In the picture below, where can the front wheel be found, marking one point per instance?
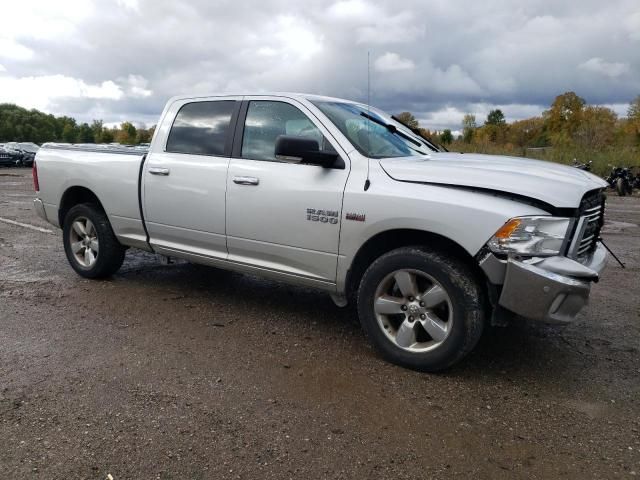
(421, 309)
(89, 242)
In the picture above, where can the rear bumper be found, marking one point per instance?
(552, 289)
(38, 206)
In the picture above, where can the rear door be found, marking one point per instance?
(283, 217)
(185, 174)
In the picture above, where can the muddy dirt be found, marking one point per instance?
(180, 371)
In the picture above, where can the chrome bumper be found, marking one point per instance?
(38, 206)
(552, 289)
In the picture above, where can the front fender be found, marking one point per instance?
(467, 218)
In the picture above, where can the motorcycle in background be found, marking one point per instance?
(621, 180)
(582, 166)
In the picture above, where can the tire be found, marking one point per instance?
(105, 254)
(429, 335)
(621, 188)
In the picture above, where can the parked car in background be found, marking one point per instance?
(13, 154)
(6, 159)
(21, 154)
(28, 151)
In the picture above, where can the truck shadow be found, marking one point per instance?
(523, 349)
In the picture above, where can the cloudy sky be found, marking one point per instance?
(122, 59)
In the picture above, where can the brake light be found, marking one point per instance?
(36, 184)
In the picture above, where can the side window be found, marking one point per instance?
(201, 128)
(266, 120)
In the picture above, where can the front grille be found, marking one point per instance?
(589, 224)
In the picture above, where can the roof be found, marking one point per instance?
(294, 95)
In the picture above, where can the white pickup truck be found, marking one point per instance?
(340, 196)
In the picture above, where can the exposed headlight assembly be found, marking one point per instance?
(531, 236)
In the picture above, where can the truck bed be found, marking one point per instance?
(112, 172)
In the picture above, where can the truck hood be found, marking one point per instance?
(558, 185)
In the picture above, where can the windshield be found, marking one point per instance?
(29, 147)
(372, 132)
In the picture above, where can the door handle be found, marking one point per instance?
(158, 171)
(246, 180)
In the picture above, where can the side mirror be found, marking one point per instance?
(298, 149)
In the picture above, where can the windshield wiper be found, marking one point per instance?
(417, 131)
(391, 128)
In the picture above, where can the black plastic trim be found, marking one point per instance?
(238, 131)
(144, 225)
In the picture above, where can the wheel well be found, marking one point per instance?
(384, 242)
(74, 196)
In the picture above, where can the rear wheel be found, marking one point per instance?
(89, 242)
(421, 309)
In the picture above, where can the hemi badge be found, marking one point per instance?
(357, 217)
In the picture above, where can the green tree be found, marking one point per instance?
(495, 117)
(468, 127)
(96, 129)
(142, 136)
(106, 136)
(69, 133)
(127, 133)
(446, 137)
(408, 119)
(85, 134)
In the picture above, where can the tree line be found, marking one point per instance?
(569, 129)
(18, 124)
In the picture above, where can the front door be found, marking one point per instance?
(185, 178)
(283, 217)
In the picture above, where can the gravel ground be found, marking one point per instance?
(181, 371)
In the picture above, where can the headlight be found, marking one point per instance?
(535, 236)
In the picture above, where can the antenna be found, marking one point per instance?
(367, 182)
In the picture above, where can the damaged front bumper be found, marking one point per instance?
(551, 289)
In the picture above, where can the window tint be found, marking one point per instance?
(201, 128)
(267, 120)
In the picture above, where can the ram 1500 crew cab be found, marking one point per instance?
(333, 194)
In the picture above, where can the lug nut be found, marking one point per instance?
(411, 299)
(422, 304)
(423, 316)
(403, 308)
(410, 318)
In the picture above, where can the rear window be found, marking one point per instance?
(201, 128)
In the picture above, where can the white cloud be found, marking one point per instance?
(137, 86)
(353, 10)
(10, 49)
(39, 92)
(2, 68)
(286, 37)
(43, 19)
(390, 62)
(609, 69)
